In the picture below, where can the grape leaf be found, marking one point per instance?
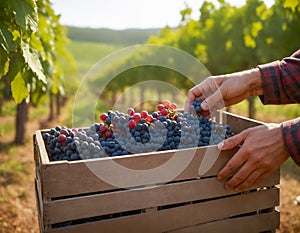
(6, 39)
(3, 61)
(18, 88)
(256, 27)
(16, 63)
(32, 59)
(290, 4)
(26, 14)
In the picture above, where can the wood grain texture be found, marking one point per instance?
(266, 222)
(184, 216)
(126, 200)
(73, 178)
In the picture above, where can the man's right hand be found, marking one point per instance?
(224, 90)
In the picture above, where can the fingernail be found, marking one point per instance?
(204, 105)
(221, 145)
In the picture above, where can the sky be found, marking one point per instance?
(124, 14)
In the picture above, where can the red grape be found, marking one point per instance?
(130, 111)
(136, 117)
(160, 107)
(144, 114)
(64, 131)
(131, 124)
(173, 106)
(74, 130)
(102, 129)
(103, 117)
(164, 112)
(150, 118)
(166, 103)
(62, 138)
(108, 134)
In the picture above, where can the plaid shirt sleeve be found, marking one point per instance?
(291, 137)
(281, 80)
(281, 85)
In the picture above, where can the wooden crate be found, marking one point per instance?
(71, 198)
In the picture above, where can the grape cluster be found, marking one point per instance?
(61, 144)
(195, 107)
(122, 134)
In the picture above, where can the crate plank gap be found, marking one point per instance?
(71, 198)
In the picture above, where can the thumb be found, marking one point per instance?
(232, 142)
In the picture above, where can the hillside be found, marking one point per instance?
(87, 54)
(109, 36)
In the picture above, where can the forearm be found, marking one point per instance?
(254, 81)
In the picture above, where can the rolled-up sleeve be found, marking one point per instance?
(291, 137)
(281, 85)
(281, 80)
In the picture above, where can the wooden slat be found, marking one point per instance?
(72, 178)
(36, 152)
(39, 195)
(239, 123)
(175, 218)
(247, 224)
(44, 159)
(39, 206)
(121, 201)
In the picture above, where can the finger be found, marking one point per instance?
(244, 177)
(233, 164)
(202, 90)
(214, 99)
(233, 141)
(254, 178)
(192, 95)
(206, 114)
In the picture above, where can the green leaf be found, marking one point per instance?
(3, 61)
(290, 4)
(255, 28)
(16, 63)
(26, 14)
(32, 59)
(249, 42)
(19, 89)
(38, 93)
(6, 39)
(36, 43)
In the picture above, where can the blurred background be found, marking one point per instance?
(48, 47)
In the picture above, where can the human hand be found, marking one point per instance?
(224, 90)
(262, 152)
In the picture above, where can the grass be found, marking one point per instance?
(268, 113)
(36, 112)
(11, 171)
(12, 168)
(290, 170)
(9, 108)
(6, 127)
(88, 54)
